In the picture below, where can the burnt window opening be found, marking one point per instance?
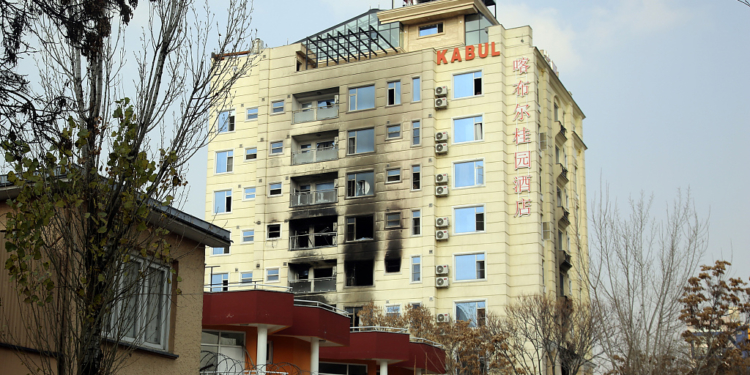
(360, 228)
(359, 272)
(274, 231)
(392, 263)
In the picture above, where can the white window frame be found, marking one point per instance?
(412, 223)
(469, 71)
(143, 294)
(356, 97)
(251, 277)
(455, 218)
(388, 226)
(257, 113)
(350, 151)
(411, 269)
(388, 133)
(421, 180)
(271, 148)
(227, 251)
(244, 193)
(219, 286)
(229, 161)
(268, 232)
(387, 175)
(484, 174)
(243, 235)
(455, 267)
(396, 305)
(419, 79)
(283, 107)
(453, 128)
(281, 193)
(355, 196)
(266, 275)
(418, 139)
(396, 93)
(455, 308)
(244, 158)
(232, 115)
(439, 28)
(213, 203)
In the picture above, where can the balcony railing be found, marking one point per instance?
(321, 305)
(309, 198)
(315, 155)
(321, 284)
(378, 329)
(316, 114)
(565, 260)
(235, 287)
(313, 241)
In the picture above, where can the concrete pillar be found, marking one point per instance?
(262, 352)
(314, 355)
(383, 367)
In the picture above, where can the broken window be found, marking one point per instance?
(359, 272)
(392, 262)
(360, 184)
(274, 231)
(360, 228)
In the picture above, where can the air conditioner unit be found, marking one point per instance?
(443, 318)
(441, 282)
(441, 148)
(442, 222)
(441, 235)
(441, 136)
(441, 103)
(441, 269)
(441, 91)
(441, 178)
(441, 191)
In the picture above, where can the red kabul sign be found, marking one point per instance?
(470, 53)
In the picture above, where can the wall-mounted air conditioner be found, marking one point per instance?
(441, 178)
(441, 191)
(443, 318)
(441, 148)
(441, 91)
(442, 222)
(441, 235)
(441, 103)
(441, 270)
(442, 282)
(441, 136)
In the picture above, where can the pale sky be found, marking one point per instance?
(662, 83)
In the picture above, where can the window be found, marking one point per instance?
(252, 114)
(393, 131)
(416, 183)
(393, 220)
(467, 84)
(274, 231)
(220, 282)
(392, 311)
(416, 269)
(360, 184)
(470, 267)
(227, 346)
(361, 141)
(476, 29)
(343, 369)
(249, 193)
(248, 235)
(470, 173)
(226, 122)
(354, 318)
(557, 111)
(251, 153)
(473, 312)
(416, 89)
(362, 98)
(393, 175)
(416, 305)
(392, 262)
(274, 189)
(246, 277)
(272, 275)
(359, 272)
(416, 223)
(360, 228)
(469, 219)
(393, 95)
(220, 250)
(224, 161)
(277, 107)
(467, 129)
(433, 29)
(415, 133)
(222, 201)
(277, 148)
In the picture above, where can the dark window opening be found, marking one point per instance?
(360, 228)
(392, 264)
(323, 272)
(274, 231)
(480, 221)
(478, 86)
(359, 272)
(415, 177)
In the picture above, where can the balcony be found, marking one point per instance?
(323, 112)
(309, 198)
(561, 215)
(315, 155)
(313, 241)
(561, 136)
(317, 285)
(564, 260)
(562, 174)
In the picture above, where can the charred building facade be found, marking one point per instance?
(418, 155)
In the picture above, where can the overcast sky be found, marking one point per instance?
(663, 84)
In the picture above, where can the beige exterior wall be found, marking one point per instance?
(520, 259)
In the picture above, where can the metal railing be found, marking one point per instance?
(379, 329)
(313, 241)
(324, 306)
(315, 155)
(251, 285)
(320, 284)
(316, 114)
(309, 198)
(425, 341)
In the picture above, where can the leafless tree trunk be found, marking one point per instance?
(638, 266)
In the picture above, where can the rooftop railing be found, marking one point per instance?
(315, 155)
(316, 113)
(243, 286)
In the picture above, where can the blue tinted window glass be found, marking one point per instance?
(463, 85)
(466, 267)
(466, 220)
(463, 130)
(465, 175)
(223, 122)
(365, 140)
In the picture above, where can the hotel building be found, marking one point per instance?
(419, 155)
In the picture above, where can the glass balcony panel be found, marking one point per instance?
(306, 198)
(301, 286)
(305, 115)
(312, 241)
(325, 284)
(315, 155)
(325, 154)
(328, 112)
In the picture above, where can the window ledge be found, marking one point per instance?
(276, 114)
(467, 142)
(393, 105)
(470, 281)
(362, 110)
(468, 233)
(358, 286)
(469, 97)
(468, 187)
(161, 353)
(362, 153)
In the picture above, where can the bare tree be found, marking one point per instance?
(636, 270)
(86, 251)
(746, 2)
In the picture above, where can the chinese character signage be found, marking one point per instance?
(523, 208)
(522, 184)
(523, 159)
(521, 65)
(522, 136)
(522, 112)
